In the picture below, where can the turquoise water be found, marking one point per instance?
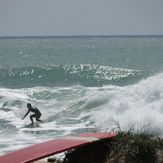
(80, 84)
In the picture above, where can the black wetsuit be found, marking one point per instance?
(37, 114)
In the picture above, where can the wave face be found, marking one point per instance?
(64, 75)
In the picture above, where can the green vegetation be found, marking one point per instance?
(135, 148)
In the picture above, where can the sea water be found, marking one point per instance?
(80, 84)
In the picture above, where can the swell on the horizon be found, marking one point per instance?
(64, 75)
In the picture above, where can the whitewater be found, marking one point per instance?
(82, 84)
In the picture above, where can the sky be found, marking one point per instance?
(80, 17)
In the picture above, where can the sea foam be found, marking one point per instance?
(139, 106)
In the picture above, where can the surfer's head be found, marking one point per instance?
(29, 105)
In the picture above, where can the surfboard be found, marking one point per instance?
(52, 147)
(31, 126)
(35, 125)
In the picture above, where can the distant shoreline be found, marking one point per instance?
(79, 36)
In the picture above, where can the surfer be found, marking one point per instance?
(37, 114)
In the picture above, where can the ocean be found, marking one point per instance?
(80, 84)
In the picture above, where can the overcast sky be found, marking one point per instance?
(81, 17)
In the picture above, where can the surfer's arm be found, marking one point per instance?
(26, 114)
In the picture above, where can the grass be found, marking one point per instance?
(135, 148)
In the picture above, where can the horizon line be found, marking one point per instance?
(78, 36)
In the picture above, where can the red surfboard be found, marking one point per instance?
(52, 147)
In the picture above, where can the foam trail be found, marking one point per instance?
(139, 105)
